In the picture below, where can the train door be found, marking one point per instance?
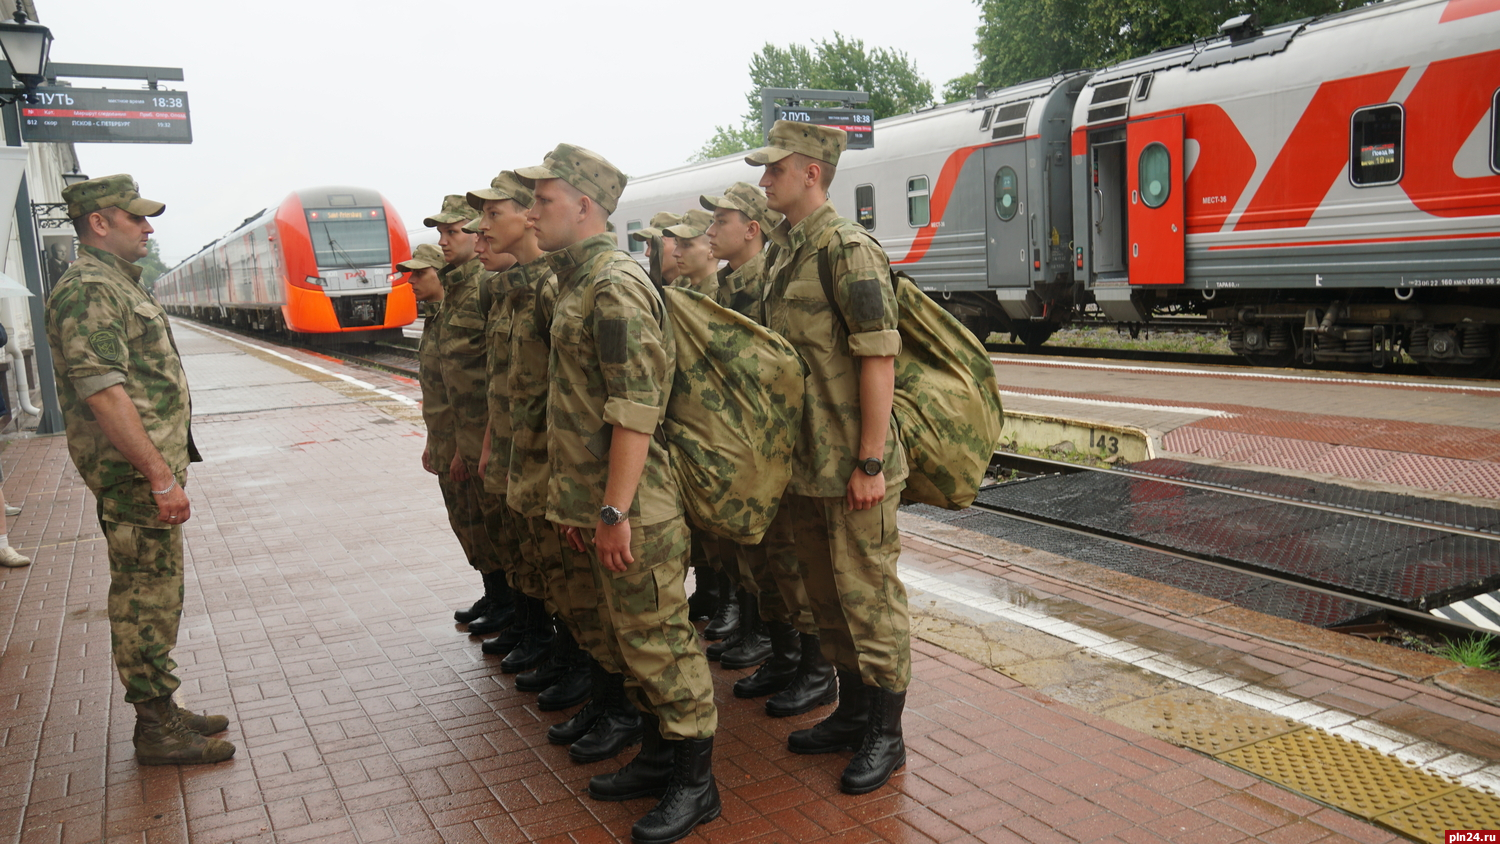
(1107, 204)
(1158, 242)
(1006, 215)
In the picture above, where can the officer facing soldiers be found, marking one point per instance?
(786, 647)
(612, 490)
(452, 353)
(126, 407)
(849, 467)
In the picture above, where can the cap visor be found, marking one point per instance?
(476, 198)
(766, 155)
(472, 227)
(144, 208)
(685, 232)
(644, 235)
(444, 218)
(529, 176)
(714, 203)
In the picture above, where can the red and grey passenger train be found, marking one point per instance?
(1328, 188)
(322, 264)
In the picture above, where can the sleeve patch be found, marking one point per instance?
(106, 344)
(612, 341)
(865, 303)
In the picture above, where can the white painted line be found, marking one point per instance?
(1469, 770)
(1264, 376)
(1198, 411)
(381, 391)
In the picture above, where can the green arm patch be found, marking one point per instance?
(106, 344)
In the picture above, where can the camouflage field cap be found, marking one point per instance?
(584, 169)
(694, 223)
(117, 191)
(426, 256)
(746, 199)
(659, 221)
(472, 227)
(455, 210)
(504, 186)
(788, 136)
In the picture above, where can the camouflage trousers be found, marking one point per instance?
(705, 555)
(145, 589)
(573, 592)
(465, 503)
(646, 605)
(507, 543)
(775, 577)
(848, 562)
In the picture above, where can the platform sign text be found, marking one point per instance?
(105, 116)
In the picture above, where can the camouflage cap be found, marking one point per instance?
(585, 170)
(746, 199)
(503, 186)
(472, 227)
(659, 221)
(455, 210)
(811, 140)
(117, 191)
(694, 223)
(428, 255)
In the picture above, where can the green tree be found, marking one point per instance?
(839, 64)
(1028, 39)
(152, 266)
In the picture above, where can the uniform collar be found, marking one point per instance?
(522, 275)
(811, 225)
(457, 274)
(749, 268)
(569, 259)
(113, 261)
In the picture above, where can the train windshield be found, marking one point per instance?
(345, 238)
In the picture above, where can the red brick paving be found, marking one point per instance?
(321, 579)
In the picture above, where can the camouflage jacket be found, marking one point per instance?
(709, 286)
(437, 413)
(797, 309)
(463, 361)
(533, 301)
(105, 329)
(499, 292)
(612, 363)
(741, 290)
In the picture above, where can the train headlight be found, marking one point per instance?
(312, 279)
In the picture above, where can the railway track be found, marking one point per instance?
(1188, 358)
(1335, 557)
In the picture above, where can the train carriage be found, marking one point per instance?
(319, 265)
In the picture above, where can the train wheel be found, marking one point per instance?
(1033, 334)
(1473, 369)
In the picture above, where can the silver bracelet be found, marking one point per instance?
(169, 488)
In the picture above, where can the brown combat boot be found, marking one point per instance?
(203, 725)
(161, 739)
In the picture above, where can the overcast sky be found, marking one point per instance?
(421, 99)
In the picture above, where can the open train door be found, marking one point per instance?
(1158, 240)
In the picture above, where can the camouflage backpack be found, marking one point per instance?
(733, 417)
(947, 401)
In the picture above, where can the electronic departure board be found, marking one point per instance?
(105, 116)
(858, 122)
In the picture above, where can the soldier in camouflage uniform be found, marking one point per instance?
(125, 403)
(850, 466)
(786, 647)
(456, 412)
(658, 248)
(697, 268)
(612, 488)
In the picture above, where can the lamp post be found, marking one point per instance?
(26, 46)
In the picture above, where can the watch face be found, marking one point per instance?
(873, 466)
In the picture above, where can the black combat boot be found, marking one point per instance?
(646, 775)
(501, 612)
(617, 727)
(475, 610)
(571, 730)
(883, 750)
(575, 685)
(845, 728)
(704, 601)
(691, 798)
(536, 639)
(512, 635)
(557, 664)
(778, 672)
(727, 618)
(815, 684)
(753, 646)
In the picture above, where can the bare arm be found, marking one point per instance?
(627, 460)
(877, 384)
(121, 423)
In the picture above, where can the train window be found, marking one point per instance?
(1007, 194)
(636, 246)
(1375, 146)
(984, 122)
(348, 239)
(1155, 175)
(864, 206)
(1495, 132)
(918, 210)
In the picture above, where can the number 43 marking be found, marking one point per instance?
(1105, 443)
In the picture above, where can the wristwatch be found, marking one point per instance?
(872, 466)
(611, 515)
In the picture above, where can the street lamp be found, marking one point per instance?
(26, 46)
(74, 177)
